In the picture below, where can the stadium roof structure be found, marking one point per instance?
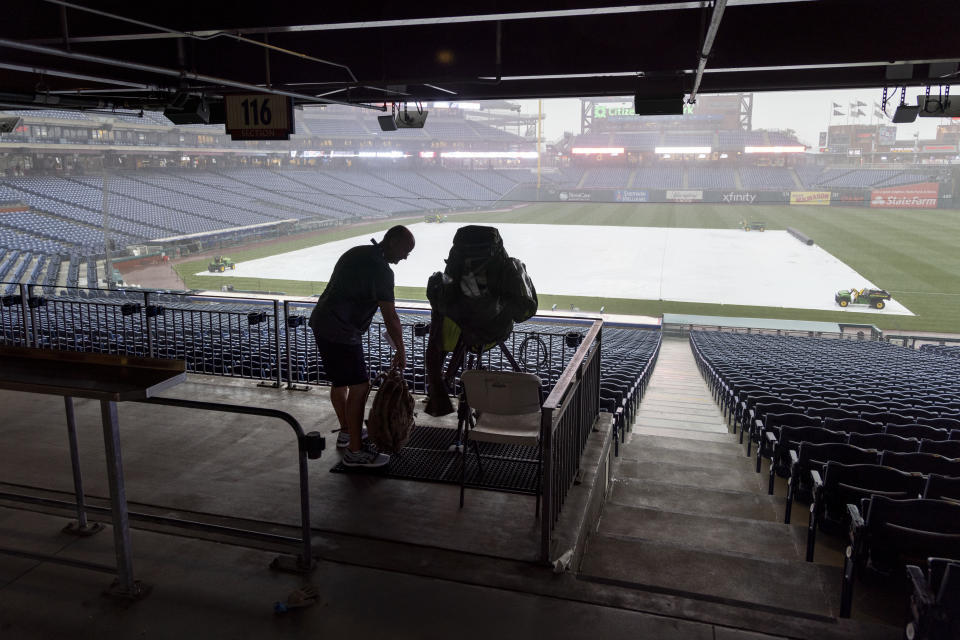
(81, 54)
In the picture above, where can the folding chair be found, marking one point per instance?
(506, 407)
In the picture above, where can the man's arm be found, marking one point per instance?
(392, 321)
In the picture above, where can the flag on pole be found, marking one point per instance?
(861, 104)
(860, 114)
(837, 113)
(836, 106)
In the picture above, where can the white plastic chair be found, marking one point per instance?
(507, 408)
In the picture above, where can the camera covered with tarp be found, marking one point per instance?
(475, 302)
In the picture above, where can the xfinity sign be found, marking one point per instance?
(734, 196)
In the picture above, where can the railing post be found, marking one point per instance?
(546, 480)
(276, 340)
(599, 367)
(33, 316)
(24, 311)
(146, 316)
(286, 324)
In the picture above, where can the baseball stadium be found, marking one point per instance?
(719, 397)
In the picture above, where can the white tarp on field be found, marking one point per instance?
(721, 266)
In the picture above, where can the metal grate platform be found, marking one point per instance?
(426, 457)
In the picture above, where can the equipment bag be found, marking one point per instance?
(391, 415)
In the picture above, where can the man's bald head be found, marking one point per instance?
(397, 243)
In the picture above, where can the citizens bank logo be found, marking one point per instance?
(739, 197)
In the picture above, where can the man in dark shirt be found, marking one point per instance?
(362, 281)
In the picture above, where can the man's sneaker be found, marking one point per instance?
(367, 456)
(343, 438)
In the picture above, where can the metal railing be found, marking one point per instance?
(847, 331)
(253, 338)
(567, 419)
(913, 342)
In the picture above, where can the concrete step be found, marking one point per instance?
(698, 500)
(705, 436)
(678, 402)
(693, 418)
(642, 450)
(789, 588)
(694, 476)
(683, 425)
(714, 533)
(641, 440)
(686, 411)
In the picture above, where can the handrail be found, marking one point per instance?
(564, 429)
(572, 370)
(304, 562)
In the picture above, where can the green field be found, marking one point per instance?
(914, 254)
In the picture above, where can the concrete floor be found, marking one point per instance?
(245, 467)
(397, 558)
(203, 589)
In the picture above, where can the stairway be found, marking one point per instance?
(796, 179)
(689, 516)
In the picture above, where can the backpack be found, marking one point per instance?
(482, 289)
(391, 415)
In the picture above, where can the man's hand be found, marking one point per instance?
(400, 359)
(392, 322)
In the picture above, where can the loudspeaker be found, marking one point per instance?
(387, 123)
(193, 111)
(905, 113)
(411, 119)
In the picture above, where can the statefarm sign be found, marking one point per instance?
(907, 196)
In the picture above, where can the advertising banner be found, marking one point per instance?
(810, 197)
(685, 195)
(13, 206)
(738, 197)
(850, 197)
(575, 196)
(906, 196)
(629, 195)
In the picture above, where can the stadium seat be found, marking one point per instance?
(843, 484)
(814, 457)
(923, 463)
(945, 448)
(884, 442)
(891, 531)
(917, 431)
(935, 600)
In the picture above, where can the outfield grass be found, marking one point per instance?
(914, 254)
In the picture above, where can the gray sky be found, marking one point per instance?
(806, 112)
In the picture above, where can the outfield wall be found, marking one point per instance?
(927, 195)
